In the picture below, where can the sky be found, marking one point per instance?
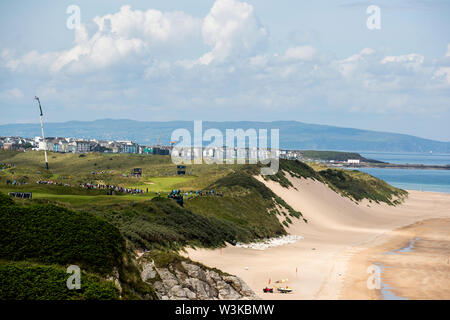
(310, 61)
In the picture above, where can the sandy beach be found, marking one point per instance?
(414, 260)
(330, 262)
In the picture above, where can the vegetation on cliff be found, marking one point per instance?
(30, 281)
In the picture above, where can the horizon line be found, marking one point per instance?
(234, 121)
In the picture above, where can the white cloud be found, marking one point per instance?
(118, 37)
(11, 94)
(412, 58)
(124, 61)
(443, 74)
(231, 28)
(300, 53)
(259, 61)
(347, 67)
(152, 25)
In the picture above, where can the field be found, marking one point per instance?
(159, 175)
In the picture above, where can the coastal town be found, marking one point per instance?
(78, 145)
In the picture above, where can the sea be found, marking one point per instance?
(412, 179)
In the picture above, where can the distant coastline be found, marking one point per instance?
(391, 165)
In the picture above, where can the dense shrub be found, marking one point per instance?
(162, 222)
(5, 200)
(26, 281)
(52, 234)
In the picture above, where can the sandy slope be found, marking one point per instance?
(337, 228)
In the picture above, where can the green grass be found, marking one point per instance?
(46, 234)
(162, 223)
(331, 155)
(295, 168)
(253, 195)
(30, 281)
(54, 235)
(163, 184)
(245, 215)
(359, 185)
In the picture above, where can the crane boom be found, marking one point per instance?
(42, 130)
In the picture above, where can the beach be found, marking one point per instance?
(331, 260)
(414, 262)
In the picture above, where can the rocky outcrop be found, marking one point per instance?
(189, 281)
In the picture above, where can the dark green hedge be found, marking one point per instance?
(26, 281)
(55, 235)
(5, 200)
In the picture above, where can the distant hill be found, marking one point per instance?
(293, 134)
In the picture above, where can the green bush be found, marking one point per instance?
(162, 222)
(55, 235)
(5, 200)
(26, 281)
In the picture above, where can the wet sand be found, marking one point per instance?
(414, 260)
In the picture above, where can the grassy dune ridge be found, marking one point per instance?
(353, 184)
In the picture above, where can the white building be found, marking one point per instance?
(82, 146)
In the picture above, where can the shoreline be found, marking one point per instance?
(338, 231)
(415, 263)
(392, 166)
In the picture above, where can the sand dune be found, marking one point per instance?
(337, 229)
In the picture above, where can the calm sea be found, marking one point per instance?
(412, 179)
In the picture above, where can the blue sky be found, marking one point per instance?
(311, 61)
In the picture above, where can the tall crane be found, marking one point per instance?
(42, 129)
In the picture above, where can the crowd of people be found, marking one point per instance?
(176, 194)
(109, 187)
(7, 165)
(193, 193)
(52, 182)
(15, 182)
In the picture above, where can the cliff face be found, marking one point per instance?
(189, 281)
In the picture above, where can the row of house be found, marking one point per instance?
(73, 145)
(15, 143)
(224, 153)
(58, 144)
